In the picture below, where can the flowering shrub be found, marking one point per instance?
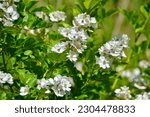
(78, 49)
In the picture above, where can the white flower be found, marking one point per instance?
(112, 50)
(144, 64)
(72, 56)
(115, 47)
(123, 93)
(119, 68)
(57, 16)
(78, 46)
(126, 73)
(45, 83)
(135, 77)
(32, 31)
(24, 90)
(144, 96)
(10, 9)
(73, 33)
(140, 86)
(79, 66)
(6, 78)
(85, 20)
(7, 22)
(103, 62)
(15, 16)
(9, 13)
(39, 14)
(42, 15)
(60, 47)
(4, 5)
(62, 85)
(64, 31)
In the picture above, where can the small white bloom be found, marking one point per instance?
(136, 72)
(9, 13)
(144, 96)
(135, 77)
(103, 62)
(31, 31)
(60, 47)
(47, 91)
(24, 90)
(144, 64)
(72, 56)
(10, 9)
(85, 20)
(78, 46)
(73, 33)
(123, 93)
(62, 85)
(139, 86)
(64, 31)
(79, 66)
(119, 68)
(126, 73)
(42, 15)
(43, 83)
(39, 14)
(15, 16)
(7, 22)
(57, 16)
(6, 78)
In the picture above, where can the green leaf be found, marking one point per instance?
(145, 10)
(30, 4)
(3, 95)
(28, 52)
(87, 3)
(26, 77)
(110, 13)
(11, 62)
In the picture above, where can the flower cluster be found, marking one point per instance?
(76, 35)
(60, 85)
(84, 20)
(144, 96)
(42, 15)
(6, 78)
(9, 12)
(135, 76)
(55, 16)
(111, 50)
(123, 92)
(47, 84)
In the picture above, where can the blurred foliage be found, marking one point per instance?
(28, 57)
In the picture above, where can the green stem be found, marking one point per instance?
(145, 24)
(3, 53)
(3, 57)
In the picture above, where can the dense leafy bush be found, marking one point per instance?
(77, 49)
